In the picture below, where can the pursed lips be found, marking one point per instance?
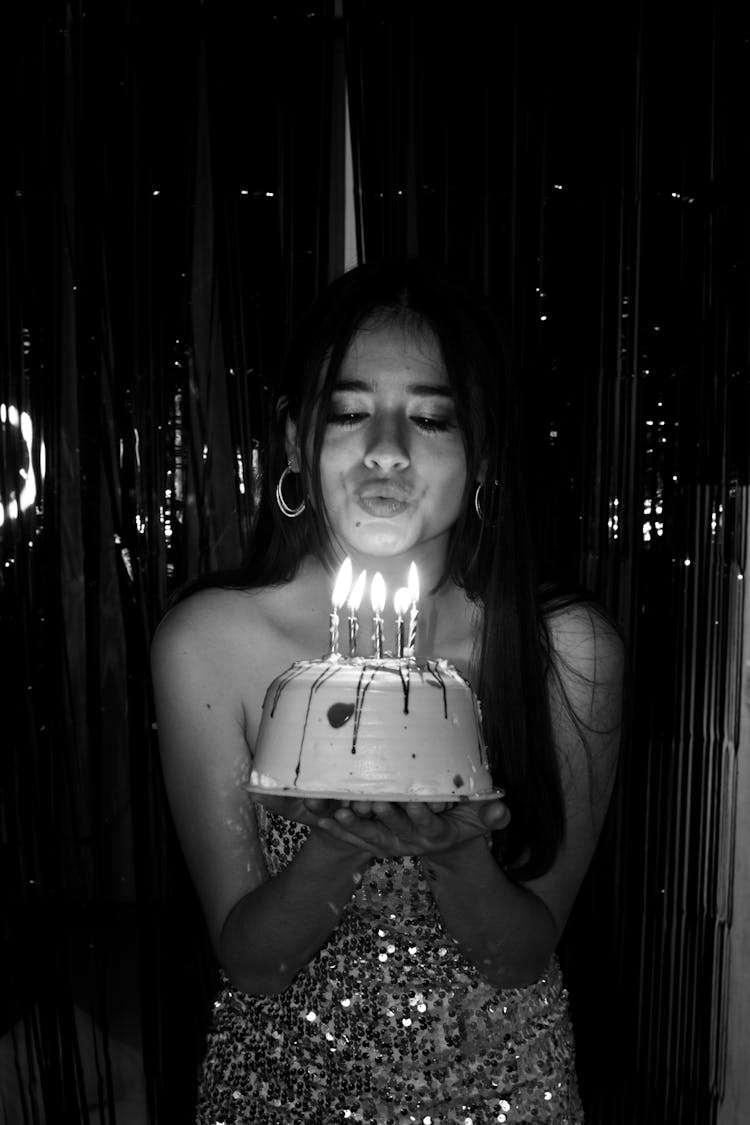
(383, 490)
(383, 499)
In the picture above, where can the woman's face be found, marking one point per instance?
(392, 465)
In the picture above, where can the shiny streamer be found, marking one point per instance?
(159, 239)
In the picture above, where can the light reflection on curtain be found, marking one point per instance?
(171, 201)
(166, 216)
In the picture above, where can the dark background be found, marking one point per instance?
(172, 199)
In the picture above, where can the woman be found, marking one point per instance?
(388, 962)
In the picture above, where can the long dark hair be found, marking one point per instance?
(489, 557)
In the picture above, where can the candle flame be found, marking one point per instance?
(377, 593)
(401, 600)
(413, 584)
(358, 589)
(343, 584)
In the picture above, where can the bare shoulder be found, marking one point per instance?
(224, 646)
(211, 616)
(220, 628)
(586, 688)
(585, 646)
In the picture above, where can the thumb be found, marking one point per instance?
(495, 815)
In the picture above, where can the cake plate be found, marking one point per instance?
(391, 798)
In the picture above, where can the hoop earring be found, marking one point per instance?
(477, 507)
(477, 502)
(290, 513)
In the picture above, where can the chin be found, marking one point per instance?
(377, 545)
(380, 550)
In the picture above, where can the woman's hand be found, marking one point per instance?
(384, 828)
(303, 810)
(415, 828)
(315, 812)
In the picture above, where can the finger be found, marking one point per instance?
(363, 834)
(351, 822)
(339, 832)
(394, 819)
(362, 808)
(425, 821)
(495, 815)
(319, 806)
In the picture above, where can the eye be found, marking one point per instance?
(345, 417)
(433, 425)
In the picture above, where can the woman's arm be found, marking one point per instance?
(276, 929)
(263, 931)
(510, 930)
(504, 928)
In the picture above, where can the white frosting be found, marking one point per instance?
(375, 728)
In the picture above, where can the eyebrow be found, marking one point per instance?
(434, 390)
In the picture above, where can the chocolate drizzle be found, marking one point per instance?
(435, 670)
(281, 682)
(405, 683)
(321, 679)
(339, 713)
(360, 701)
(285, 679)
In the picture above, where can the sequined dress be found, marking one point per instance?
(388, 1023)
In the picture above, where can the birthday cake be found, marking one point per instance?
(386, 729)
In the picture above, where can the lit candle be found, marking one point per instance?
(414, 613)
(377, 597)
(401, 601)
(355, 597)
(340, 590)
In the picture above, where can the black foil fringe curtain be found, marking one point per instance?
(173, 195)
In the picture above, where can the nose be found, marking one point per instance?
(387, 447)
